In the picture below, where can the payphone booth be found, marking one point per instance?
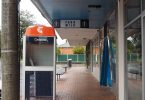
(39, 63)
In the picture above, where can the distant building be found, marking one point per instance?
(67, 49)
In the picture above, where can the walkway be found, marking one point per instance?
(78, 84)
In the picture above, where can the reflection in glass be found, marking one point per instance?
(112, 44)
(143, 4)
(134, 66)
(94, 55)
(132, 9)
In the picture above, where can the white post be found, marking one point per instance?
(57, 57)
(84, 58)
(143, 57)
(54, 70)
(121, 53)
(23, 68)
(99, 53)
(99, 50)
(130, 56)
(91, 56)
(67, 57)
(137, 57)
(77, 58)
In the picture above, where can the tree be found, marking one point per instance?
(58, 51)
(136, 44)
(78, 50)
(26, 19)
(130, 46)
(136, 39)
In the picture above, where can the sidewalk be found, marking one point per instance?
(79, 84)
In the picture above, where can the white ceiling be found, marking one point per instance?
(77, 36)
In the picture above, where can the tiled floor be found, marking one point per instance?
(79, 84)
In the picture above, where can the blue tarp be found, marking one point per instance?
(105, 68)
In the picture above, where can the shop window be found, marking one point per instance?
(134, 61)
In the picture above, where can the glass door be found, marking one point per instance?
(134, 60)
(143, 53)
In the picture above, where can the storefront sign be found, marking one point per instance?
(71, 23)
(40, 40)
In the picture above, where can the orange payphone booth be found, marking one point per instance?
(39, 43)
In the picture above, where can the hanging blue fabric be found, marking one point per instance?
(105, 68)
(109, 80)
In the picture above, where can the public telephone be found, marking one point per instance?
(39, 63)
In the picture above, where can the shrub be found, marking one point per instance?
(78, 50)
(58, 51)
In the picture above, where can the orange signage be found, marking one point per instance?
(40, 30)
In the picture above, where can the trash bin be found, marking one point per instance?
(69, 62)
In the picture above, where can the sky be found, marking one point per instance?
(32, 9)
(28, 5)
(0, 12)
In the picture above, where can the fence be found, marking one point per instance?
(134, 57)
(81, 58)
(76, 58)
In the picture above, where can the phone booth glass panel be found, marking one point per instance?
(36, 48)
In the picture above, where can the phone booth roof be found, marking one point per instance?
(40, 30)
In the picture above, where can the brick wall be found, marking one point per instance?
(66, 50)
(69, 50)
